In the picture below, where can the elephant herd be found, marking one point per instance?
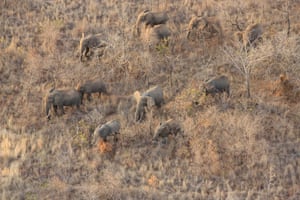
(153, 97)
(151, 26)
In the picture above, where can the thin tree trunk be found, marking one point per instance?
(289, 24)
(248, 85)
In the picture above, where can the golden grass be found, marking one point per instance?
(232, 148)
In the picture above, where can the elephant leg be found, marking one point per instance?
(137, 117)
(141, 116)
(62, 109)
(116, 138)
(81, 100)
(55, 109)
(164, 140)
(89, 96)
(228, 92)
(86, 52)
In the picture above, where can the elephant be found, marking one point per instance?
(142, 103)
(89, 42)
(110, 128)
(157, 94)
(169, 127)
(149, 18)
(217, 85)
(250, 35)
(92, 86)
(204, 27)
(152, 97)
(60, 98)
(154, 35)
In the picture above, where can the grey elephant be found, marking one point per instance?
(250, 35)
(149, 18)
(205, 27)
(60, 98)
(152, 97)
(154, 35)
(110, 128)
(88, 43)
(170, 127)
(92, 86)
(216, 85)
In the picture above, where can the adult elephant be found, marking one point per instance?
(60, 98)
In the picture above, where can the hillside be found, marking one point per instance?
(236, 147)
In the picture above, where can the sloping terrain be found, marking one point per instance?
(233, 147)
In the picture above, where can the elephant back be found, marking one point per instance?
(156, 93)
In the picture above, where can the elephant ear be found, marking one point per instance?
(137, 96)
(150, 102)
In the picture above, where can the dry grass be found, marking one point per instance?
(232, 148)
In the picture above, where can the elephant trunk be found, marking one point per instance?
(188, 35)
(81, 94)
(49, 103)
(48, 106)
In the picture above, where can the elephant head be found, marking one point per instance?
(149, 18)
(89, 42)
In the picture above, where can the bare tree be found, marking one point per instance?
(244, 61)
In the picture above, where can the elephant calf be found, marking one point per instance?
(89, 42)
(217, 85)
(61, 98)
(153, 96)
(170, 127)
(149, 18)
(91, 86)
(110, 128)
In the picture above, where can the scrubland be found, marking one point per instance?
(235, 147)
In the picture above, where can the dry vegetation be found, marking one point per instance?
(233, 148)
